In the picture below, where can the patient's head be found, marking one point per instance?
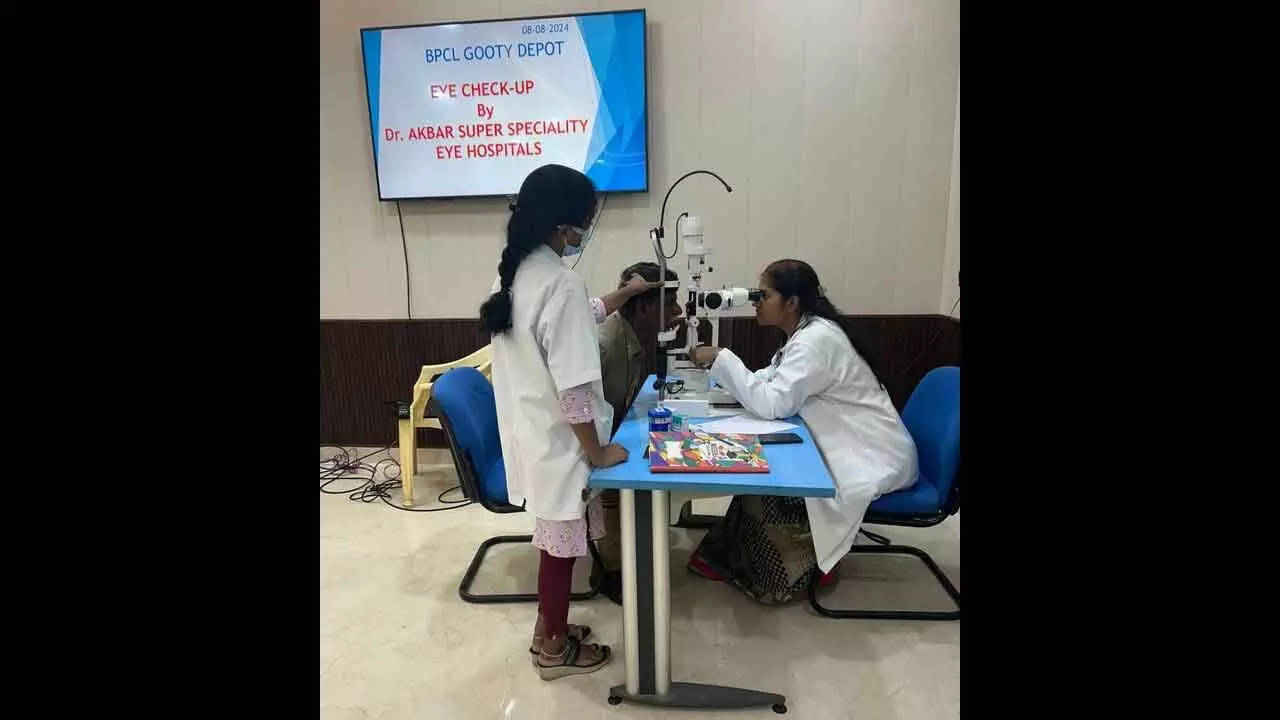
(641, 311)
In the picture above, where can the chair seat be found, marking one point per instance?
(919, 499)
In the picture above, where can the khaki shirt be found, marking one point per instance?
(622, 366)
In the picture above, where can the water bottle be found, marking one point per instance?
(659, 420)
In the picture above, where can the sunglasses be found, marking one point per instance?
(673, 387)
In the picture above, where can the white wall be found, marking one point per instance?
(834, 120)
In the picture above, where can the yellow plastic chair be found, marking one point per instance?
(481, 360)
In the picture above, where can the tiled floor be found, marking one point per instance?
(397, 642)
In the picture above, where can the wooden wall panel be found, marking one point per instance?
(365, 365)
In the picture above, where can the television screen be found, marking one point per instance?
(470, 109)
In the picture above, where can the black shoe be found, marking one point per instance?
(611, 587)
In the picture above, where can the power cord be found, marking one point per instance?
(342, 466)
(676, 251)
(604, 199)
(404, 243)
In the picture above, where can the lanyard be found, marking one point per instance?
(777, 356)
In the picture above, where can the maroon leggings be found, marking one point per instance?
(555, 580)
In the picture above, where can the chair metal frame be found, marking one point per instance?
(884, 546)
(471, 489)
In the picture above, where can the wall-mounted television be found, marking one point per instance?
(469, 109)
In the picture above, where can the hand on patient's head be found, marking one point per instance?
(637, 284)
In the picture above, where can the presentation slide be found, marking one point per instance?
(470, 109)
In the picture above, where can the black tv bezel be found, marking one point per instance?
(373, 138)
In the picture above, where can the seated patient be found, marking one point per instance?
(624, 365)
(772, 547)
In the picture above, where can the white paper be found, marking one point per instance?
(745, 425)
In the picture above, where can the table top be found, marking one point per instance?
(794, 470)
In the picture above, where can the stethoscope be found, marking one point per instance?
(777, 356)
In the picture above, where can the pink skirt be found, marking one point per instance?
(568, 538)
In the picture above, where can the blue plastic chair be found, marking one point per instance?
(932, 416)
(462, 399)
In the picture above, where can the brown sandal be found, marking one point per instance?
(578, 632)
(566, 662)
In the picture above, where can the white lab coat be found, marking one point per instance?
(550, 347)
(818, 375)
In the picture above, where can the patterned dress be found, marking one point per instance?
(763, 547)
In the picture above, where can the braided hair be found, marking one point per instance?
(550, 197)
(796, 278)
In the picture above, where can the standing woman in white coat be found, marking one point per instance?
(552, 414)
(771, 547)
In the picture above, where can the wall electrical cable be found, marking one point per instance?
(404, 243)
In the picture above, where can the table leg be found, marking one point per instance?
(630, 596)
(660, 542)
(646, 617)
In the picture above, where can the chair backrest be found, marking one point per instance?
(481, 360)
(464, 400)
(932, 416)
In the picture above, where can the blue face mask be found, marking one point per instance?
(571, 250)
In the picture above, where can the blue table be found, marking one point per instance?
(795, 470)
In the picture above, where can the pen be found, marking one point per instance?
(725, 440)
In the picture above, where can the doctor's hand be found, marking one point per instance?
(704, 356)
(638, 284)
(608, 456)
